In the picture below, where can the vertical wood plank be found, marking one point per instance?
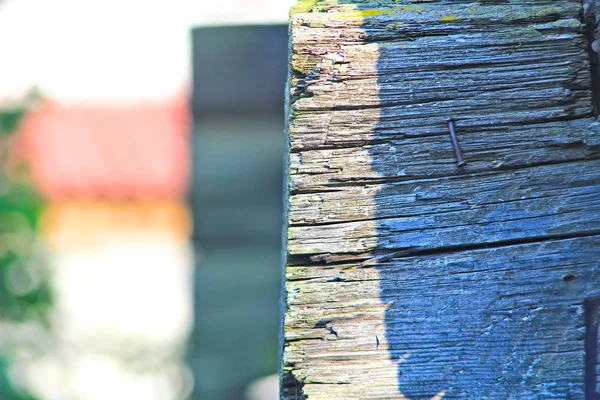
(407, 276)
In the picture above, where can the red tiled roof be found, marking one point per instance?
(113, 152)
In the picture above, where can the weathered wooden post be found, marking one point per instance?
(407, 275)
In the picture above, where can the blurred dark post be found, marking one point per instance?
(238, 146)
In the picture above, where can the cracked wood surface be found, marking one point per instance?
(411, 278)
(453, 322)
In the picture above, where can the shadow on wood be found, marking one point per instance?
(408, 276)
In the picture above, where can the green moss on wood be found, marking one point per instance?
(303, 6)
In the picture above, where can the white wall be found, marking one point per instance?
(122, 279)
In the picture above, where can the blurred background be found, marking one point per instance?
(141, 160)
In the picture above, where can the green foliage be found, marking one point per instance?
(7, 390)
(9, 121)
(31, 296)
(11, 118)
(25, 293)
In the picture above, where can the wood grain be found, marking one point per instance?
(497, 323)
(408, 277)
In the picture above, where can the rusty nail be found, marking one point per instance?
(459, 158)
